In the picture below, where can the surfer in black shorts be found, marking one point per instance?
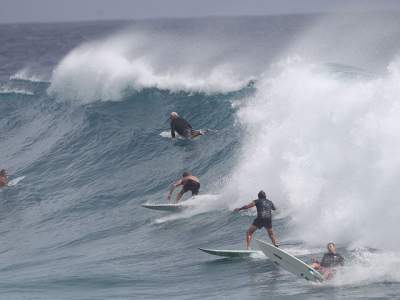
(188, 182)
(329, 262)
(182, 127)
(264, 218)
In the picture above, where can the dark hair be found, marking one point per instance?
(2, 171)
(186, 174)
(261, 195)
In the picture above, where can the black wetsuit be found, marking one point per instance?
(331, 260)
(192, 186)
(264, 216)
(181, 126)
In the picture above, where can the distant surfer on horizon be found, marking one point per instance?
(264, 218)
(329, 261)
(188, 182)
(3, 178)
(182, 127)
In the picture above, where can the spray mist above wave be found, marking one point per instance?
(107, 69)
(326, 150)
(6, 90)
(27, 75)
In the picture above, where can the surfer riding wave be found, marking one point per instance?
(188, 182)
(182, 127)
(264, 218)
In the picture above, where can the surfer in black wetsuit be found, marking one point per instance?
(329, 261)
(189, 183)
(264, 218)
(182, 127)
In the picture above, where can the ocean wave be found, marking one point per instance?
(18, 91)
(27, 75)
(107, 69)
(324, 147)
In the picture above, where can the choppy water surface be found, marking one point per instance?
(303, 107)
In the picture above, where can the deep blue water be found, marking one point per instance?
(83, 112)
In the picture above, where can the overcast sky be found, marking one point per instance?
(15, 11)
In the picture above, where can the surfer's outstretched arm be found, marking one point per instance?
(250, 205)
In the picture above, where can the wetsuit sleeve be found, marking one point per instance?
(173, 129)
(341, 260)
(325, 261)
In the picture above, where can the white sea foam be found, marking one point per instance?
(365, 267)
(198, 204)
(326, 150)
(27, 75)
(11, 90)
(106, 69)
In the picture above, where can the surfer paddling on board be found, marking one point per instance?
(329, 261)
(182, 127)
(264, 218)
(3, 178)
(189, 183)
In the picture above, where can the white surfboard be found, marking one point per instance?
(167, 134)
(171, 207)
(15, 181)
(289, 262)
(233, 253)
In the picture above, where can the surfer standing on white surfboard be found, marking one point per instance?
(182, 127)
(264, 218)
(189, 183)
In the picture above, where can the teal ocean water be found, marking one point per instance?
(304, 107)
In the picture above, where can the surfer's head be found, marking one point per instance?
(173, 115)
(3, 172)
(186, 174)
(331, 247)
(261, 195)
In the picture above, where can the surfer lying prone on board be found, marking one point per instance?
(3, 178)
(189, 183)
(264, 218)
(329, 262)
(182, 127)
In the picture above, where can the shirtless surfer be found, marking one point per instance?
(189, 183)
(264, 218)
(3, 178)
(182, 127)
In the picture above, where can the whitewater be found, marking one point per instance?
(304, 107)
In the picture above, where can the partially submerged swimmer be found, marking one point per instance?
(329, 262)
(189, 183)
(182, 127)
(3, 178)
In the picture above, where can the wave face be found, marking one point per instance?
(303, 107)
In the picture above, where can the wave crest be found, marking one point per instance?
(107, 69)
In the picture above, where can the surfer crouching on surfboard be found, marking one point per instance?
(182, 127)
(189, 183)
(3, 178)
(264, 218)
(329, 261)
